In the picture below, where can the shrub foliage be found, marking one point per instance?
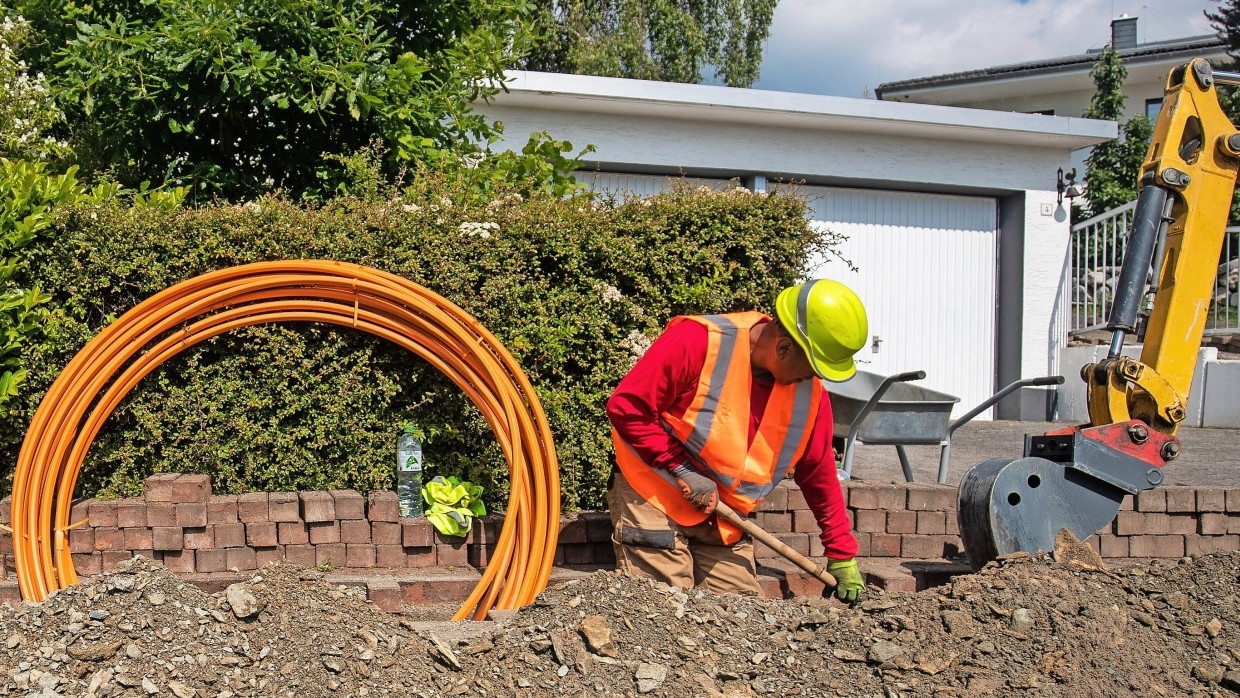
(575, 287)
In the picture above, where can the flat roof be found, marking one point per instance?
(621, 96)
(1155, 51)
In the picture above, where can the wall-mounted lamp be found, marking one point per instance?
(1067, 186)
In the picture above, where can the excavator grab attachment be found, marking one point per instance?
(1077, 478)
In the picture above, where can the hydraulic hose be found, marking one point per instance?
(99, 377)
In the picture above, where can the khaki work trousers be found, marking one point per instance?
(649, 544)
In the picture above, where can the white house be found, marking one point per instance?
(952, 215)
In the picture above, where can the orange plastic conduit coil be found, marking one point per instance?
(385, 305)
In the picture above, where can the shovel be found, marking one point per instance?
(726, 513)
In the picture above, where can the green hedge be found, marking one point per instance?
(573, 287)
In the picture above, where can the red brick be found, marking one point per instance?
(1156, 546)
(1233, 524)
(599, 528)
(385, 533)
(1182, 525)
(931, 498)
(161, 514)
(773, 522)
(927, 547)
(332, 554)
(952, 524)
(293, 533)
(207, 561)
(283, 506)
(260, 534)
(574, 554)
(803, 521)
(1233, 500)
(222, 509)
(324, 532)
(386, 594)
(192, 488)
(1181, 499)
(300, 555)
(229, 535)
(109, 539)
(240, 559)
(111, 558)
(6, 510)
(1112, 546)
(158, 488)
(933, 523)
(900, 522)
(165, 538)
(777, 500)
(796, 499)
(77, 510)
(102, 514)
(1212, 524)
(884, 545)
(137, 538)
(131, 513)
(317, 507)
(252, 507)
(349, 504)
(389, 556)
(192, 515)
(177, 561)
(359, 555)
(383, 506)
(815, 546)
(1212, 499)
(797, 541)
(355, 531)
(81, 540)
(885, 497)
(863, 543)
(572, 531)
(1152, 500)
(417, 533)
(1128, 503)
(199, 538)
(870, 521)
(1204, 545)
(268, 555)
(604, 553)
(88, 564)
(452, 554)
(421, 558)
(1129, 523)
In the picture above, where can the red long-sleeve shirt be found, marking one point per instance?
(665, 380)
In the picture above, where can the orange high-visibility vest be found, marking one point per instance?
(715, 429)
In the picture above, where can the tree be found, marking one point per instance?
(239, 98)
(1226, 23)
(671, 40)
(1113, 169)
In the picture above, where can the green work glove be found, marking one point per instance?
(696, 487)
(848, 580)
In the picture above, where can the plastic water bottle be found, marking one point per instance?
(409, 475)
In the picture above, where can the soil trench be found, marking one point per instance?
(1027, 626)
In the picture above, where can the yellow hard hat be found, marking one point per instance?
(828, 321)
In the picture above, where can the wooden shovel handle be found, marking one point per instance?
(725, 512)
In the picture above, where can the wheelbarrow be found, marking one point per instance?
(877, 410)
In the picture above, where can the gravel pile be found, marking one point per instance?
(1022, 626)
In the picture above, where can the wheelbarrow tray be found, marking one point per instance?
(905, 414)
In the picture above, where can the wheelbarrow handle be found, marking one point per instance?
(908, 376)
(726, 513)
(1047, 380)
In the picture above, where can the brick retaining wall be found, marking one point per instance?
(181, 524)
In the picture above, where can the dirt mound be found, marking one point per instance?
(1023, 626)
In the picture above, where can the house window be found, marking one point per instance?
(1152, 107)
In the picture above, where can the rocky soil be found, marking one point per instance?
(1022, 626)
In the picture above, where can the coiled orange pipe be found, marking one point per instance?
(110, 365)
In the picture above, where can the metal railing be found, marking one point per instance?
(1095, 253)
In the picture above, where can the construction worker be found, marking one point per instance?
(723, 407)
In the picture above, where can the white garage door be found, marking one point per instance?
(926, 268)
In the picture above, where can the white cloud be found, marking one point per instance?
(843, 48)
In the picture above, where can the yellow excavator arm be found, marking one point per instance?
(1076, 478)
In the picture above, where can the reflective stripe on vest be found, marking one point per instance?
(715, 428)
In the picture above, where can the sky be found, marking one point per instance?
(849, 47)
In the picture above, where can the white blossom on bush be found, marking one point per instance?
(637, 343)
(26, 108)
(611, 293)
(482, 230)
